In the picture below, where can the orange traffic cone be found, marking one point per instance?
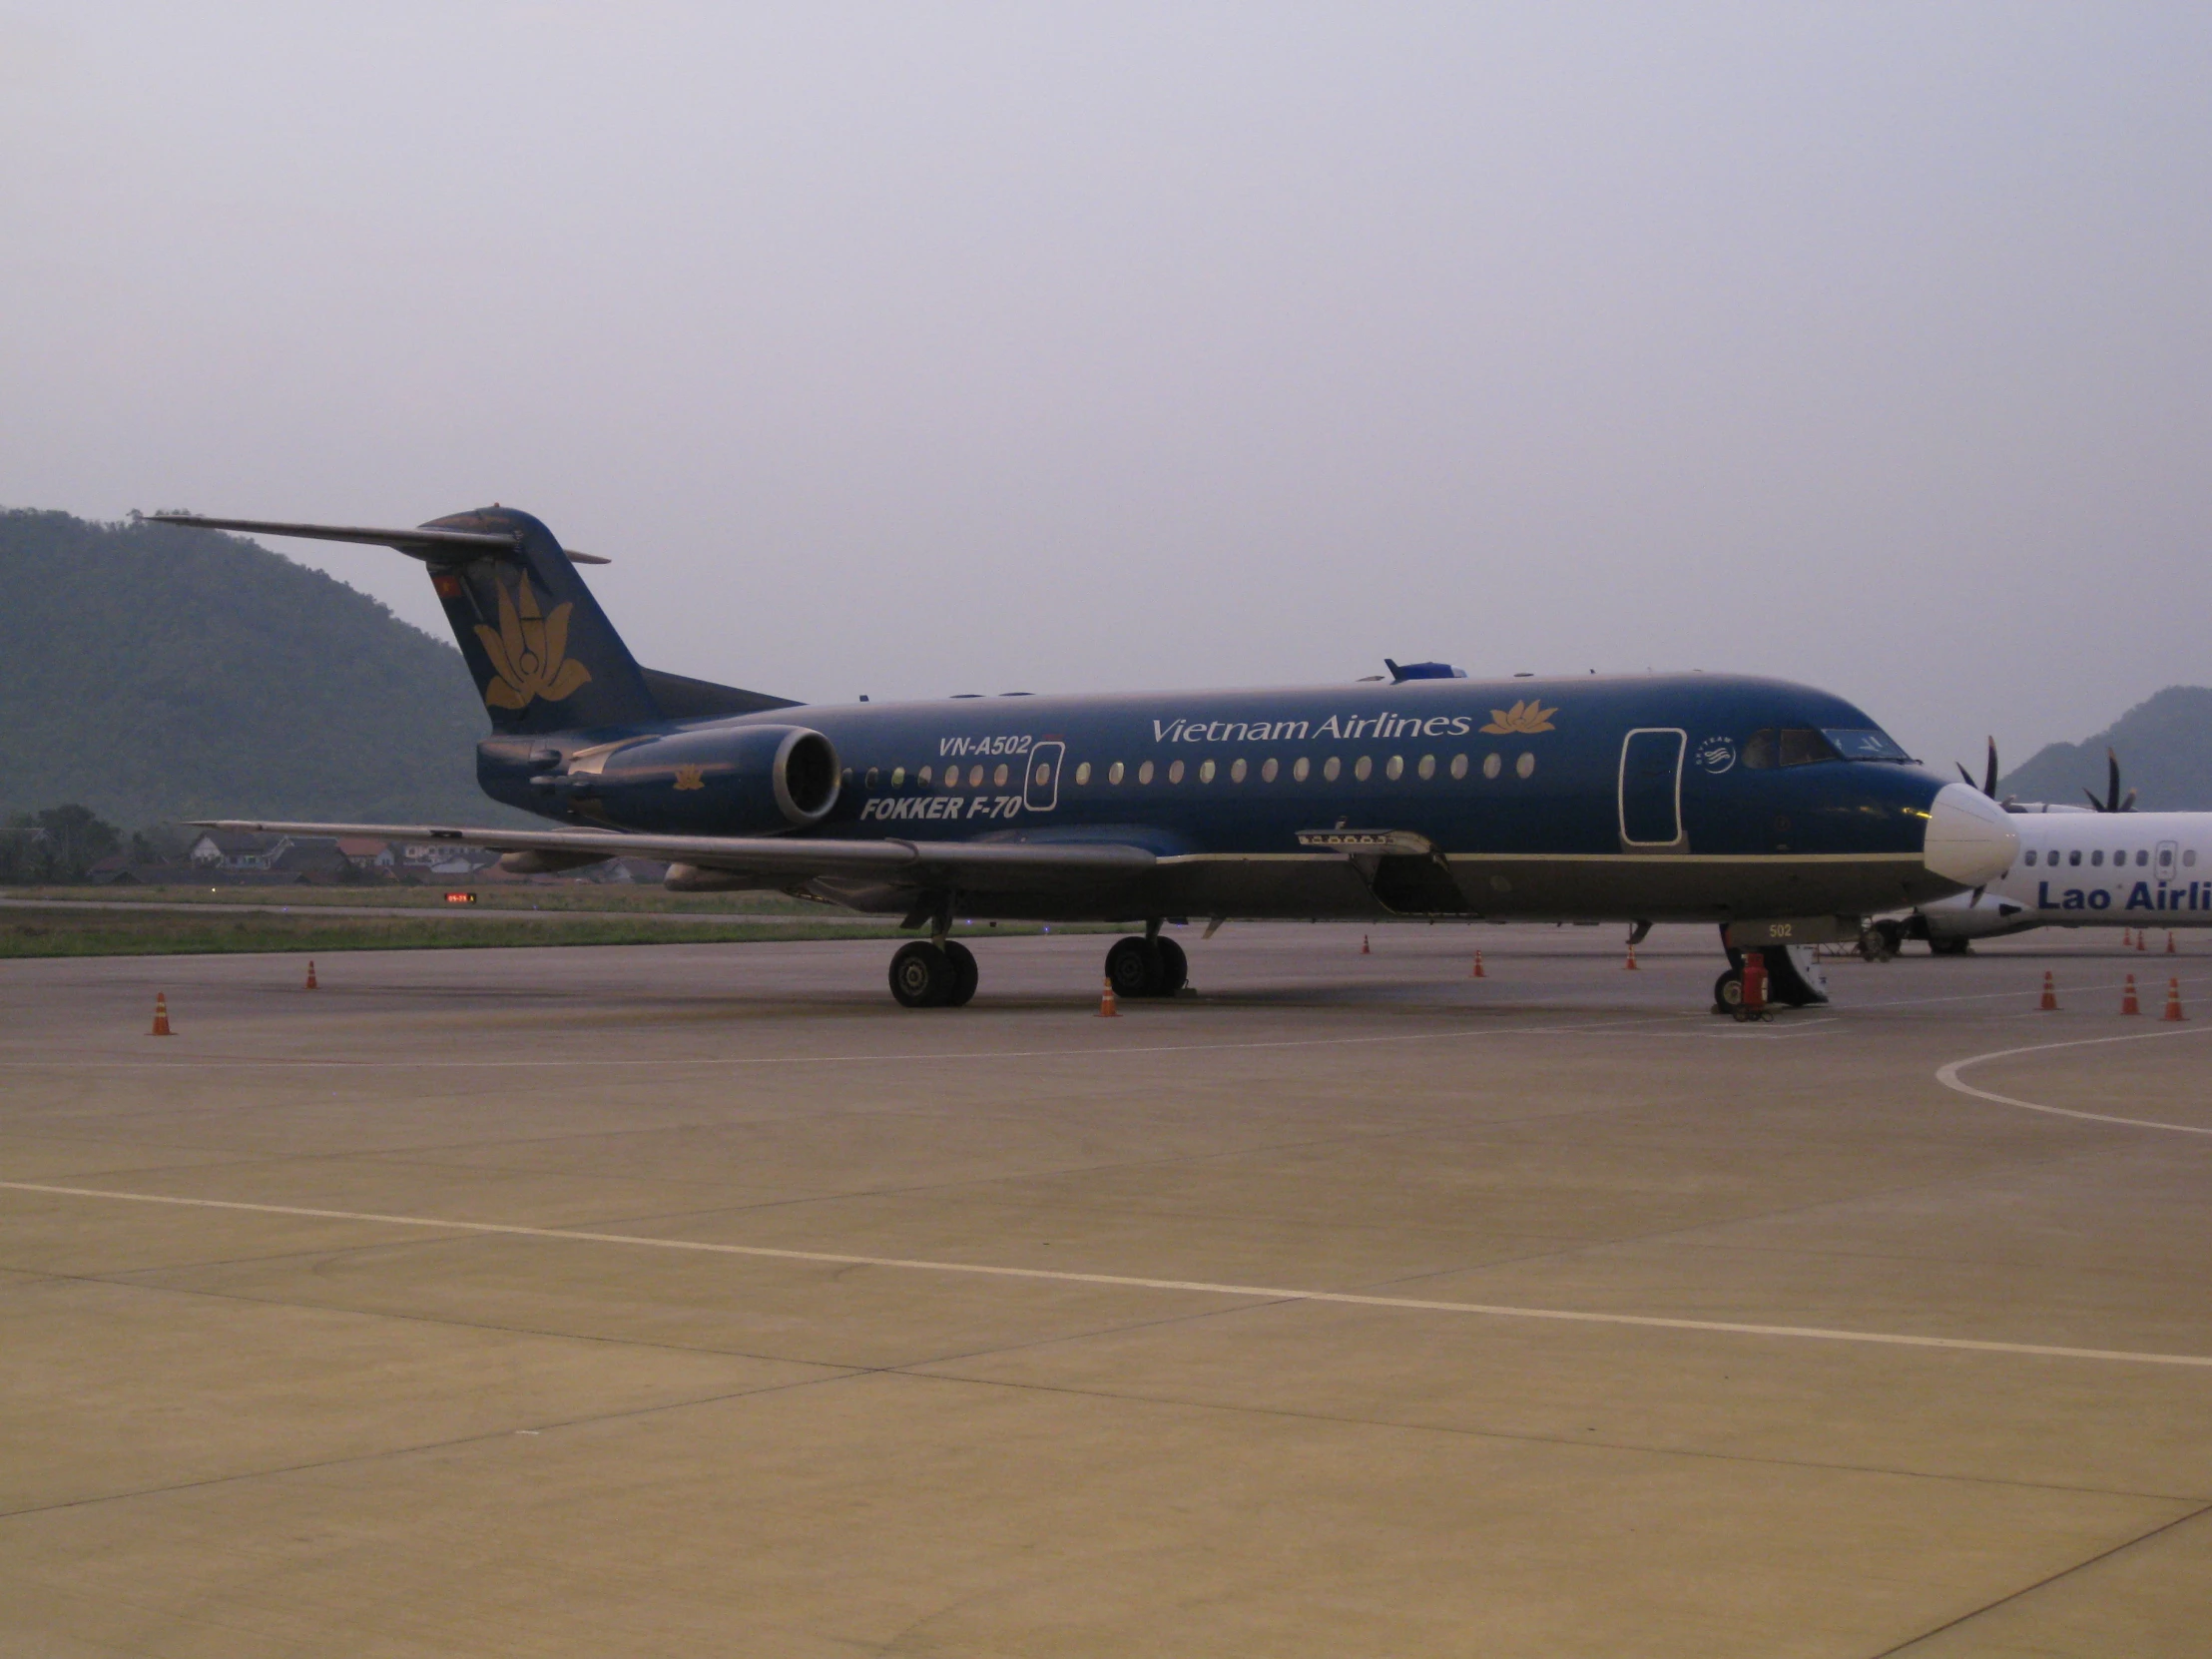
(2142, 939)
(1630, 966)
(2128, 1005)
(2173, 1001)
(311, 974)
(161, 1016)
(2169, 944)
(2125, 939)
(2049, 1005)
(1364, 950)
(1478, 973)
(1108, 1008)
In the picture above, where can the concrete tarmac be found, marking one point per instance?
(695, 1299)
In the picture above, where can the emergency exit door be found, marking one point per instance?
(1040, 791)
(1651, 786)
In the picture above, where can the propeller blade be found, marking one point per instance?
(2112, 795)
(1990, 782)
(2128, 806)
(1963, 773)
(2094, 800)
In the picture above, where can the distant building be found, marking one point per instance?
(365, 854)
(231, 850)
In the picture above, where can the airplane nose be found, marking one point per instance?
(1971, 839)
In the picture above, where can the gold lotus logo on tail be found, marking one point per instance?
(1527, 716)
(529, 652)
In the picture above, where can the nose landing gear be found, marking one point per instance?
(925, 975)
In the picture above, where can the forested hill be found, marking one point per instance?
(2165, 751)
(152, 674)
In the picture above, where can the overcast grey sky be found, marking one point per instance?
(911, 350)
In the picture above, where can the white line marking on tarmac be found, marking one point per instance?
(1949, 1077)
(1263, 1292)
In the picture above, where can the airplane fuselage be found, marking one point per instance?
(1566, 798)
(2091, 869)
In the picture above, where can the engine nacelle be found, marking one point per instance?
(730, 780)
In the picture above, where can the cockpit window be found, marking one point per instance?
(1759, 750)
(1865, 745)
(1802, 746)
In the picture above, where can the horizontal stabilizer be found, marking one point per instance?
(977, 865)
(422, 542)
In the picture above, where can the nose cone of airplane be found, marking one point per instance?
(1971, 839)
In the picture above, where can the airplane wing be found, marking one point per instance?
(779, 858)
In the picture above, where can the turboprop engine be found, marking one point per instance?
(727, 780)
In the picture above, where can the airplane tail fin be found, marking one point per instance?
(542, 653)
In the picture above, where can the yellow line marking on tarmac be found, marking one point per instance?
(1949, 1077)
(1261, 1292)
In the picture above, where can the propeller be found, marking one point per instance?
(1989, 784)
(2112, 801)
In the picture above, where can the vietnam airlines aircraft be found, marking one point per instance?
(2100, 865)
(1780, 813)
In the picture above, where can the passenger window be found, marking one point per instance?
(998, 778)
(1759, 750)
(2097, 857)
(1082, 775)
(1205, 772)
(1175, 771)
(922, 777)
(975, 777)
(1492, 765)
(1526, 766)
(1330, 768)
(873, 777)
(898, 776)
(1268, 771)
(1144, 773)
(1396, 768)
(2189, 858)
(2142, 857)
(1237, 770)
(1458, 766)
(1301, 772)
(1427, 766)
(1363, 769)
(2074, 858)
(1802, 747)
(1115, 773)
(2031, 858)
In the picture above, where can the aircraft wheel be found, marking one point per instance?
(1878, 943)
(1728, 994)
(922, 976)
(1950, 947)
(1175, 967)
(965, 974)
(1134, 967)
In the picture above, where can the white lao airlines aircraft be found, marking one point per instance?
(2100, 865)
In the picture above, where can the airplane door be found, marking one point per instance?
(2166, 860)
(1040, 791)
(1651, 786)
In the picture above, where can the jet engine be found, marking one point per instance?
(727, 780)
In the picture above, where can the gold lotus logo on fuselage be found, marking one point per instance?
(1528, 717)
(528, 652)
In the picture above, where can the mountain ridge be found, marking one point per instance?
(2164, 746)
(157, 674)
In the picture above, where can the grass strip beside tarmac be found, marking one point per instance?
(31, 931)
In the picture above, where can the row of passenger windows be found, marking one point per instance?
(2142, 857)
(1493, 765)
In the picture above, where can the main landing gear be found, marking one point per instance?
(926, 974)
(1150, 966)
(1786, 981)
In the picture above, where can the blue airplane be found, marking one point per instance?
(1779, 813)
